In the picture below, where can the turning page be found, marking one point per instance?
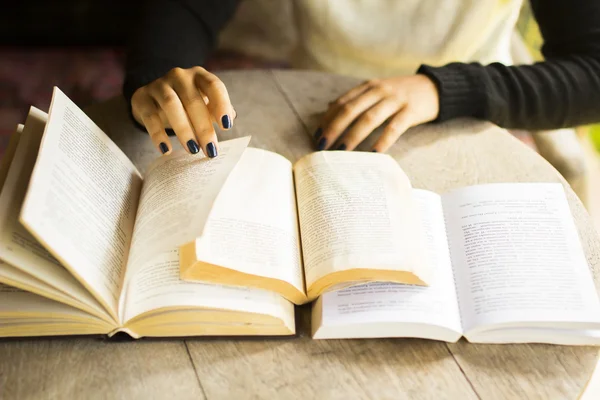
(251, 237)
(29, 265)
(518, 259)
(357, 221)
(394, 309)
(177, 196)
(82, 200)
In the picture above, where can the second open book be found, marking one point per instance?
(509, 269)
(503, 262)
(333, 219)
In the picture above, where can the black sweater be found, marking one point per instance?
(562, 91)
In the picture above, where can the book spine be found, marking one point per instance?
(449, 242)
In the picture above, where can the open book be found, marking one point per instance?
(87, 246)
(333, 219)
(509, 267)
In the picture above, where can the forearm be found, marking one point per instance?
(562, 91)
(548, 95)
(169, 34)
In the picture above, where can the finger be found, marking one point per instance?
(165, 121)
(157, 133)
(198, 113)
(163, 118)
(219, 103)
(148, 112)
(351, 94)
(335, 105)
(167, 99)
(368, 122)
(347, 114)
(395, 128)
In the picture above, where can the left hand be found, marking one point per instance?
(406, 101)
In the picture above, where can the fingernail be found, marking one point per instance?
(193, 146)
(374, 150)
(318, 133)
(211, 149)
(322, 143)
(341, 147)
(226, 121)
(163, 147)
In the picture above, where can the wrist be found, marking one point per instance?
(459, 93)
(430, 95)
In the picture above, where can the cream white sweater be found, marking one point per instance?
(374, 38)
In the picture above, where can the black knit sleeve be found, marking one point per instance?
(172, 33)
(562, 91)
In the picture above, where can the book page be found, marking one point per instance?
(253, 227)
(517, 255)
(17, 246)
(177, 196)
(435, 304)
(17, 278)
(26, 314)
(156, 285)
(356, 211)
(82, 200)
(17, 301)
(9, 289)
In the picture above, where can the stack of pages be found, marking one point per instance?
(227, 246)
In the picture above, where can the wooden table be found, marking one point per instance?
(281, 110)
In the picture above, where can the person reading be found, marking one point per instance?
(416, 74)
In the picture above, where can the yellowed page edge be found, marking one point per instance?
(14, 277)
(24, 305)
(210, 273)
(361, 275)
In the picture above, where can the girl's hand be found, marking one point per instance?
(405, 101)
(188, 101)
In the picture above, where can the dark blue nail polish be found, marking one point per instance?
(163, 147)
(193, 146)
(322, 143)
(226, 121)
(341, 147)
(211, 150)
(318, 133)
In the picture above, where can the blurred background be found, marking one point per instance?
(76, 45)
(79, 46)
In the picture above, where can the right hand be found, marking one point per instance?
(188, 101)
